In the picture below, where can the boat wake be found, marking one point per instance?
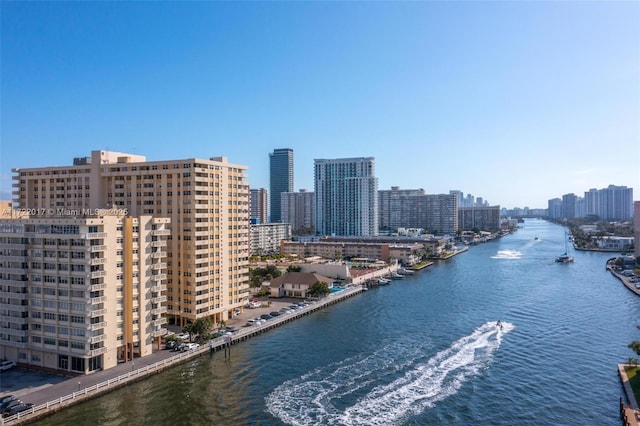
(386, 387)
(507, 254)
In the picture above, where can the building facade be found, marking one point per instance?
(346, 192)
(280, 179)
(298, 209)
(398, 207)
(266, 238)
(636, 230)
(259, 206)
(81, 294)
(207, 201)
(483, 218)
(611, 203)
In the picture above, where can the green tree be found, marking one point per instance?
(635, 346)
(294, 268)
(202, 326)
(188, 328)
(319, 289)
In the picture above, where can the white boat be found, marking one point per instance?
(383, 281)
(395, 276)
(404, 271)
(565, 258)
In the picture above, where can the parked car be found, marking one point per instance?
(180, 347)
(190, 346)
(10, 404)
(17, 409)
(231, 329)
(275, 314)
(6, 365)
(6, 398)
(171, 344)
(183, 336)
(266, 317)
(7, 402)
(250, 323)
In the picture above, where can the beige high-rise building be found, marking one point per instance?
(81, 294)
(206, 200)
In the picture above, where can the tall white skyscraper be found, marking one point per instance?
(346, 196)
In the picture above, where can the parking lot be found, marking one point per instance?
(19, 382)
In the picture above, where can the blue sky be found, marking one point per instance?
(514, 101)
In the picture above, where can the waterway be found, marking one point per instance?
(422, 351)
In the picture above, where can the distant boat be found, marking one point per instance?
(383, 281)
(536, 238)
(565, 258)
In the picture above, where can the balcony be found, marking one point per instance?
(15, 320)
(158, 333)
(158, 322)
(158, 311)
(97, 326)
(159, 277)
(14, 308)
(98, 261)
(97, 274)
(158, 243)
(159, 265)
(12, 281)
(159, 299)
(17, 246)
(158, 254)
(97, 339)
(160, 232)
(9, 343)
(97, 313)
(97, 352)
(97, 300)
(17, 271)
(95, 235)
(98, 287)
(14, 295)
(97, 248)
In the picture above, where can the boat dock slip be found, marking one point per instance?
(50, 399)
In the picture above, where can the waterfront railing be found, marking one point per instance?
(214, 344)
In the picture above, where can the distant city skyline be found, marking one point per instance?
(516, 102)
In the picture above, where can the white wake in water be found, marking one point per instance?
(386, 387)
(507, 254)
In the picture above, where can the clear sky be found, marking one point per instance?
(514, 101)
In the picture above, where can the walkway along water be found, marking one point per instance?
(115, 378)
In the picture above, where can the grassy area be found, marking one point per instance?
(633, 373)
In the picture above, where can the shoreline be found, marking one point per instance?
(106, 381)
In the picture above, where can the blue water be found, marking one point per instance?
(422, 351)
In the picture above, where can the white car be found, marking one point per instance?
(191, 346)
(6, 365)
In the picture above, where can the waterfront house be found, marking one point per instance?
(295, 284)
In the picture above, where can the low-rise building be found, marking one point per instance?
(613, 243)
(295, 284)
